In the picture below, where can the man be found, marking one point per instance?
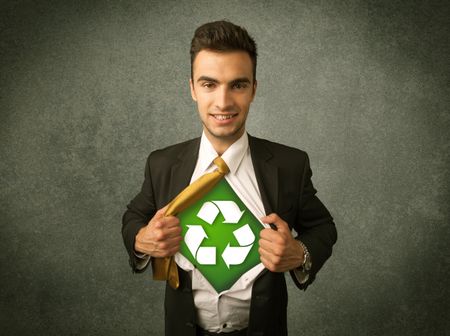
(273, 178)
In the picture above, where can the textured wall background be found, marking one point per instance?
(88, 89)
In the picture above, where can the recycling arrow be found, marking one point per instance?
(206, 255)
(194, 237)
(232, 255)
(208, 212)
(230, 211)
(235, 255)
(244, 235)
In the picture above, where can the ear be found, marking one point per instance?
(255, 84)
(193, 95)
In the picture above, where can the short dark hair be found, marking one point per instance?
(223, 36)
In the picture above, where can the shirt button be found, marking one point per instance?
(224, 326)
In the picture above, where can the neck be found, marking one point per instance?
(221, 144)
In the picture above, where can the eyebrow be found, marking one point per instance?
(213, 80)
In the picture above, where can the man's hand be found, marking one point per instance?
(279, 251)
(161, 237)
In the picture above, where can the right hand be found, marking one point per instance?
(161, 237)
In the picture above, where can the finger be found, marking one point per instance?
(159, 243)
(173, 250)
(160, 212)
(171, 221)
(166, 252)
(267, 264)
(271, 249)
(271, 236)
(166, 222)
(165, 248)
(263, 252)
(158, 215)
(274, 261)
(164, 233)
(169, 244)
(269, 218)
(265, 248)
(171, 232)
(273, 218)
(268, 247)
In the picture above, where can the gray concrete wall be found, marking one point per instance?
(89, 88)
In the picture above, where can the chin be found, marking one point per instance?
(226, 134)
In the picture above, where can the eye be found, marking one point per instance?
(208, 85)
(240, 85)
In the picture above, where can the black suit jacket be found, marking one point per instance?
(284, 180)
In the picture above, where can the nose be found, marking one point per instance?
(224, 99)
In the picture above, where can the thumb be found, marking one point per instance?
(275, 222)
(160, 213)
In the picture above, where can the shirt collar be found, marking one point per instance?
(232, 156)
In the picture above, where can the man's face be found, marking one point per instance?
(223, 87)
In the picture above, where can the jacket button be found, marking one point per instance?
(190, 324)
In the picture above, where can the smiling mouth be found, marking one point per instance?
(223, 116)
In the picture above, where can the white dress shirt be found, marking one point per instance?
(228, 310)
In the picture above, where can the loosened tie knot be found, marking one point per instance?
(221, 165)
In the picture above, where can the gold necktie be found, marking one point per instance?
(166, 268)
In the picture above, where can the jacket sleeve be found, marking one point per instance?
(139, 212)
(314, 225)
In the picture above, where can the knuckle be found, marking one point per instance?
(159, 235)
(161, 211)
(281, 240)
(171, 220)
(137, 245)
(267, 234)
(271, 267)
(157, 224)
(276, 252)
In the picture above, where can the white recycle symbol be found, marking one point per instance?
(232, 255)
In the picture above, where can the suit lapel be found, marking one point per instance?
(266, 173)
(182, 170)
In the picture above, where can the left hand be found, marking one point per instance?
(279, 251)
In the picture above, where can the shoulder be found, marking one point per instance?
(173, 152)
(282, 153)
